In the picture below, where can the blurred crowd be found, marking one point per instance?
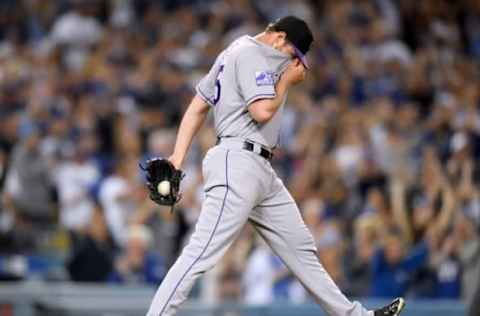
(379, 146)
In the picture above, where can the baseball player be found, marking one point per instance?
(246, 89)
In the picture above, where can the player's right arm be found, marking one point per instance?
(206, 97)
(191, 122)
(263, 110)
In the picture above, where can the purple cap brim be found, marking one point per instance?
(301, 56)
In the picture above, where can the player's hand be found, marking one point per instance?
(294, 73)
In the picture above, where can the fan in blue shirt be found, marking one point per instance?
(393, 269)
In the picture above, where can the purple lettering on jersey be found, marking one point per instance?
(264, 78)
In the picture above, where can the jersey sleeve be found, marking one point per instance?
(206, 88)
(254, 77)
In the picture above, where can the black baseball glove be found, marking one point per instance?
(163, 181)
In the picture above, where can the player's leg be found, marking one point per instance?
(224, 212)
(278, 221)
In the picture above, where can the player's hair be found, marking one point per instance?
(270, 28)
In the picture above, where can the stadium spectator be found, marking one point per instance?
(257, 279)
(29, 189)
(91, 255)
(75, 178)
(137, 264)
(120, 196)
(393, 268)
(76, 31)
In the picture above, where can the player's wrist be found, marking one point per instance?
(176, 161)
(283, 84)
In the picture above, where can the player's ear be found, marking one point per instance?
(282, 35)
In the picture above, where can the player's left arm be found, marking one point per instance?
(192, 120)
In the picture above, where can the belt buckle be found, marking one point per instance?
(257, 149)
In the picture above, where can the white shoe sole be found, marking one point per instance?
(401, 305)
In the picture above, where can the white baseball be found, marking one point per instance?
(164, 187)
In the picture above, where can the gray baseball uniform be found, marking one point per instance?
(241, 185)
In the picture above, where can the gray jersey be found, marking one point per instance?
(244, 72)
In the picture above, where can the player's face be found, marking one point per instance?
(282, 44)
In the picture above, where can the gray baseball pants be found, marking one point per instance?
(241, 186)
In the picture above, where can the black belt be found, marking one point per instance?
(247, 145)
(265, 153)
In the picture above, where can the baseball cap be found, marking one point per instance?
(298, 33)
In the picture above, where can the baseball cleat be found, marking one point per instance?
(392, 309)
